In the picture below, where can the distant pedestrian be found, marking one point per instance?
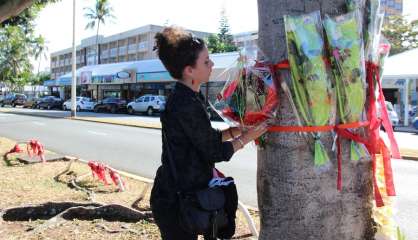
(194, 146)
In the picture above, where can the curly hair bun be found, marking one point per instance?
(177, 48)
(170, 36)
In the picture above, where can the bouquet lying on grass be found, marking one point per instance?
(249, 96)
(310, 81)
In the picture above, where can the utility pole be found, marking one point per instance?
(74, 66)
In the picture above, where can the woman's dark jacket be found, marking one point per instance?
(195, 147)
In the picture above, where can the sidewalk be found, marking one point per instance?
(154, 123)
(409, 129)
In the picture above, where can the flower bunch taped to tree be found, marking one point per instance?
(310, 81)
(347, 58)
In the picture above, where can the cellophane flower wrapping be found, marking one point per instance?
(383, 53)
(373, 20)
(346, 48)
(249, 95)
(310, 76)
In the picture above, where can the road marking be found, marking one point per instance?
(39, 123)
(97, 133)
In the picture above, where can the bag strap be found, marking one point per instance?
(171, 161)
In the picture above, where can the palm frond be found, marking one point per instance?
(91, 25)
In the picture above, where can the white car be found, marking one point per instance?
(393, 116)
(83, 103)
(148, 104)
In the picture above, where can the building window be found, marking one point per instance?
(142, 46)
(122, 50)
(113, 52)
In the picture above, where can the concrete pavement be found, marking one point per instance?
(407, 152)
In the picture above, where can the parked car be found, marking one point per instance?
(82, 103)
(393, 116)
(148, 104)
(50, 102)
(412, 113)
(110, 104)
(31, 102)
(415, 123)
(14, 99)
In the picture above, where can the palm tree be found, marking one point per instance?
(99, 13)
(39, 50)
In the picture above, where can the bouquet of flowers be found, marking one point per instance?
(310, 78)
(373, 20)
(249, 95)
(347, 57)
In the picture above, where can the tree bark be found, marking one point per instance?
(97, 42)
(296, 200)
(11, 8)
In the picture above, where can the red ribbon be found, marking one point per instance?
(99, 170)
(15, 149)
(378, 145)
(36, 148)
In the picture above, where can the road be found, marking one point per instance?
(137, 150)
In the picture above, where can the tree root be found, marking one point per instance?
(90, 193)
(56, 213)
(11, 162)
(122, 229)
(141, 197)
(67, 169)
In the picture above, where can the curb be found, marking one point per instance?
(143, 125)
(28, 114)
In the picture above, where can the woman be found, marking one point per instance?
(194, 145)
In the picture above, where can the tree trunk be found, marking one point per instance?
(296, 200)
(97, 42)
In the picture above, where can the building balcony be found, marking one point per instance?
(143, 46)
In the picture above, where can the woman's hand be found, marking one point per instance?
(231, 133)
(249, 135)
(254, 133)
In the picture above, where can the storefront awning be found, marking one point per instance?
(97, 74)
(402, 66)
(50, 83)
(143, 71)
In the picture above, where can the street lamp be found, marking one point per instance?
(74, 77)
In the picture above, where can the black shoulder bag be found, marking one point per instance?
(200, 212)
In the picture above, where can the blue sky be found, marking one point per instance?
(55, 21)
